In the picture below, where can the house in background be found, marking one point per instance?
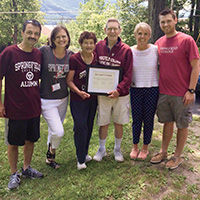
(45, 33)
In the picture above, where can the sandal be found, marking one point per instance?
(51, 159)
(53, 164)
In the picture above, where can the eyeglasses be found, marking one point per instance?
(114, 29)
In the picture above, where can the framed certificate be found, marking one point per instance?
(102, 79)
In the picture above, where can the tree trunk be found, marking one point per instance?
(15, 34)
(197, 19)
(172, 4)
(155, 7)
(191, 15)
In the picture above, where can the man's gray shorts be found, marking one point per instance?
(171, 108)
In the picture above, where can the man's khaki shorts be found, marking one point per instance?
(117, 108)
(171, 108)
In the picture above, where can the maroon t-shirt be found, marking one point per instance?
(77, 64)
(22, 72)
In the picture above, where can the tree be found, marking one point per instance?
(191, 15)
(12, 16)
(155, 7)
(92, 16)
(197, 19)
(131, 13)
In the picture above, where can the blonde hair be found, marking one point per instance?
(144, 26)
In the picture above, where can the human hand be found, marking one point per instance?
(84, 95)
(113, 94)
(188, 98)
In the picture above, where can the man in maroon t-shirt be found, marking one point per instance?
(20, 65)
(178, 75)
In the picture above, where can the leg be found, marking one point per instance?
(28, 152)
(176, 160)
(62, 109)
(136, 98)
(103, 120)
(104, 116)
(90, 121)
(12, 153)
(51, 113)
(181, 140)
(13, 158)
(144, 152)
(118, 130)
(167, 136)
(118, 139)
(150, 103)
(134, 151)
(80, 112)
(103, 132)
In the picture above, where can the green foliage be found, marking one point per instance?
(132, 12)
(92, 16)
(11, 22)
(42, 41)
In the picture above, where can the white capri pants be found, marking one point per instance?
(54, 112)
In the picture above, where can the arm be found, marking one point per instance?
(127, 70)
(188, 97)
(70, 83)
(2, 109)
(124, 86)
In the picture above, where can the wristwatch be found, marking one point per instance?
(192, 91)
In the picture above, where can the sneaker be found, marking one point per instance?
(14, 181)
(118, 155)
(88, 158)
(31, 173)
(173, 162)
(81, 166)
(159, 157)
(99, 155)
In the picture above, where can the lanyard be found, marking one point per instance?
(57, 74)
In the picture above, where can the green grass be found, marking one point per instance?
(107, 180)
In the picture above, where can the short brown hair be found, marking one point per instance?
(33, 22)
(54, 32)
(87, 35)
(166, 12)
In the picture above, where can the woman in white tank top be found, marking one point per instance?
(144, 89)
